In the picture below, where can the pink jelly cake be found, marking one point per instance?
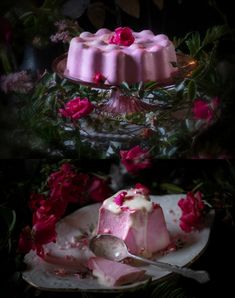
(131, 216)
(112, 274)
(147, 57)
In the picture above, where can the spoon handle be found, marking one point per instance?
(200, 276)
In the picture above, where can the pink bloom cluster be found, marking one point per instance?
(77, 108)
(16, 82)
(65, 186)
(123, 37)
(135, 159)
(63, 37)
(66, 30)
(192, 211)
(203, 110)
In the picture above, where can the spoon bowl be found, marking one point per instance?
(113, 248)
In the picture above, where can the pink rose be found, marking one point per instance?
(123, 37)
(192, 210)
(203, 110)
(135, 159)
(77, 108)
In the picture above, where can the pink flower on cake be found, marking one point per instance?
(142, 189)
(203, 110)
(77, 108)
(120, 198)
(135, 159)
(192, 210)
(123, 37)
(99, 78)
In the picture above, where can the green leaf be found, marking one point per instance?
(125, 85)
(215, 33)
(192, 89)
(194, 44)
(8, 217)
(171, 188)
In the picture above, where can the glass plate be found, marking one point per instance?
(190, 246)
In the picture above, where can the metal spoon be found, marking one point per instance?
(114, 248)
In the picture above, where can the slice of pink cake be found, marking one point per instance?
(131, 216)
(110, 273)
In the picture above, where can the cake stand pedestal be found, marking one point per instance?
(119, 103)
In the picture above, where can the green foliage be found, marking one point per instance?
(8, 221)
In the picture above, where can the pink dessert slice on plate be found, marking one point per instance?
(110, 273)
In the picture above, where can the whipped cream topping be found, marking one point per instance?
(134, 200)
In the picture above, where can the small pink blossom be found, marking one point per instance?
(16, 82)
(123, 36)
(120, 198)
(77, 108)
(203, 110)
(63, 37)
(192, 210)
(135, 159)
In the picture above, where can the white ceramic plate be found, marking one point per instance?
(191, 246)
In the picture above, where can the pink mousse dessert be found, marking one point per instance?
(147, 57)
(131, 216)
(111, 273)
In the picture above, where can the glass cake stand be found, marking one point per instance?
(120, 103)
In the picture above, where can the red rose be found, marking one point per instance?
(77, 108)
(192, 210)
(67, 186)
(123, 37)
(25, 243)
(203, 110)
(142, 189)
(43, 232)
(98, 189)
(99, 78)
(135, 159)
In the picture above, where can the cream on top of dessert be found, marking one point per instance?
(134, 200)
